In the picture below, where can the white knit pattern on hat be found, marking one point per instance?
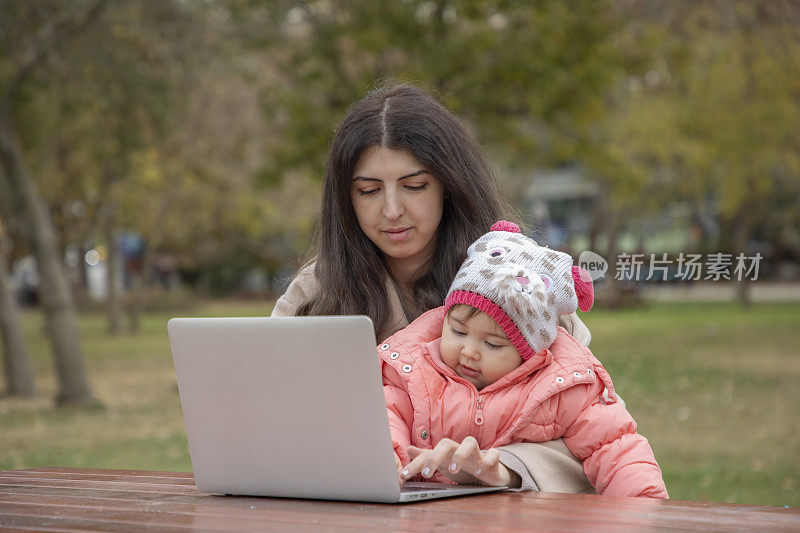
(532, 284)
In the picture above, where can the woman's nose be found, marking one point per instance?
(392, 206)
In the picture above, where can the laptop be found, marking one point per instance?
(290, 407)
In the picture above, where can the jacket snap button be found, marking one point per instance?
(576, 374)
(479, 420)
(424, 434)
(559, 379)
(406, 368)
(384, 346)
(394, 355)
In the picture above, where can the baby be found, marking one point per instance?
(493, 364)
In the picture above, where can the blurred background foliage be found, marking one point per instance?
(203, 126)
(153, 151)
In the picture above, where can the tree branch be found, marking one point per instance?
(47, 38)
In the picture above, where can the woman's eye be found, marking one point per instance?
(367, 192)
(416, 187)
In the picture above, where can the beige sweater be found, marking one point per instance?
(547, 466)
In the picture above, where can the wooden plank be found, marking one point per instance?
(430, 514)
(339, 515)
(28, 529)
(631, 510)
(75, 476)
(107, 471)
(342, 516)
(33, 523)
(186, 480)
(111, 500)
(253, 522)
(115, 485)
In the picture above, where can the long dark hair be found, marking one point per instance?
(350, 269)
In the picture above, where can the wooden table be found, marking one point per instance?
(69, 499)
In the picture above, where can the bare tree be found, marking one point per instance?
(32, 216)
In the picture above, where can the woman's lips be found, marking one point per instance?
(467, 371)
(397, 235)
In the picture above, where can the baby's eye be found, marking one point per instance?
(548, 281)
(454, 330)
(494, 346)
(496, 252)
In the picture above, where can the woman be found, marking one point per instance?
(406, 190)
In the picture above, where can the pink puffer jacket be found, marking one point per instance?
(563, 392)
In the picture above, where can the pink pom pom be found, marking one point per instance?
(583, 288)
(505, 225)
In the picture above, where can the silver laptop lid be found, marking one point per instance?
(289, 407)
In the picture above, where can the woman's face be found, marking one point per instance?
(397, 203)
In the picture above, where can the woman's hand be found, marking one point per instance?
(399, 466)
(464, 463)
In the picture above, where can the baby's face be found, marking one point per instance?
(476, 348)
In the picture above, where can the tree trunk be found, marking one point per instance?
(113, 300)
(140, 285)
(19, 374)
(135, 303)
(598, 222)
(55, 293)
(743, 292)
(613, 292)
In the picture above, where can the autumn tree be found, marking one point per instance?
(712, 119)
(123, 92)
(522, 75)
(36, 30)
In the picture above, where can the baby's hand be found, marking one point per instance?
(463, 463)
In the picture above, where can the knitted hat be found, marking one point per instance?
(524, 287)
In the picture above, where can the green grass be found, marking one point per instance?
(140, 425)
(713, 387)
